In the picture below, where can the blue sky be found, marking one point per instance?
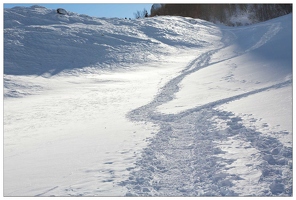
(109, 10)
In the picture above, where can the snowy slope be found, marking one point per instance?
(78, 41)
(164, 106)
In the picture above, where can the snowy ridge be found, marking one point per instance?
(164, 106)
(80, 42)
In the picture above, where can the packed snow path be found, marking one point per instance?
(183, 159)
(190, 156)
(164, 106)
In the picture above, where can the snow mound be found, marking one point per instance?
(258, 56)
(39, 40)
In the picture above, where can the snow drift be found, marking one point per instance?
(164, 106)
(38, 41)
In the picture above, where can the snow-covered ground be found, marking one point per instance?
(163, 106)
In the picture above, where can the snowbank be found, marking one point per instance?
(38, 40)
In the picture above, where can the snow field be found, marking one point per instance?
(165, 106)
(70, 143)
(78, 146)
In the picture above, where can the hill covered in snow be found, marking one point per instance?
(161, 106)
(38, 40)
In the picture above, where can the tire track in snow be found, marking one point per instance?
(185, 158)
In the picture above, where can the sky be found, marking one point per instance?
(108, 10)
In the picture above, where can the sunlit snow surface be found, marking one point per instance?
(163, 106)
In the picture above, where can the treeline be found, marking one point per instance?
(222, 12)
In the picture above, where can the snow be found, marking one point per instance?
(163, 106)
(260, 116)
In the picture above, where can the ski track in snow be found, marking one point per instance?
(190, 156)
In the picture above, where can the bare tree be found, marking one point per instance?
(141, 14)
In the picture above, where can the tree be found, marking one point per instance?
(141, 14)
(223, 12)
